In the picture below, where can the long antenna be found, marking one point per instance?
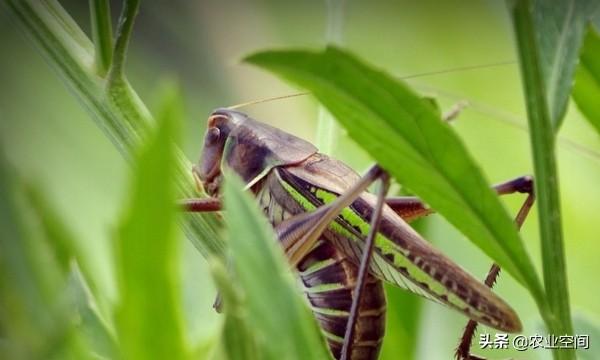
(405, 77)
(496, 114)
(459, 69)
(254, 102)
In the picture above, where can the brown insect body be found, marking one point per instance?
(257, 152)
(288, 177)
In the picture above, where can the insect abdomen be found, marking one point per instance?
(329, 280)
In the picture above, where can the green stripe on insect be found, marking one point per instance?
(384, 245)
(318, 266)
(325, 287)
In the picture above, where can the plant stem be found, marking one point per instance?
(126, 20)
(101, 35)
(558, 320)
(328, 129)
(122, 119)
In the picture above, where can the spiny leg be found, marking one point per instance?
(363, 269)
(463, 351)
(411, 208)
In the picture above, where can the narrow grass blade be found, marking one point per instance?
(279, 316)
(149, 321)
(405, 135)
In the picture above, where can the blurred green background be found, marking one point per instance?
(49, 139)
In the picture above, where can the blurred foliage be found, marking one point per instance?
(586, 91)
(560, 28)
(148, 314)
(58, 288)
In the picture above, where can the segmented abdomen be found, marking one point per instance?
(328, 279)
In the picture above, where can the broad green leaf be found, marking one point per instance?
(149, 322)
(278, 314)
(586, 91)
(559, 28)
(406, 136)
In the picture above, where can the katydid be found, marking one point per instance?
(343, 240)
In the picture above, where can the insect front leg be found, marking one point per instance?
(201, 204)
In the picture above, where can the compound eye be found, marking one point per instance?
(212, 135)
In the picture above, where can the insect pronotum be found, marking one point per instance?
(327, 223)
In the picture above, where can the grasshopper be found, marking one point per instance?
(344, 241)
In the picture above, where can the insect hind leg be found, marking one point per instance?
(411, 208)
(363, 268)
(522, 185)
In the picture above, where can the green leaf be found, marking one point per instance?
(238, 342)
(406, 136)
(278, 314)
(586, 91)
(149, 322)
(559, 27)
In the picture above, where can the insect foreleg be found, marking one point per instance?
(209, 204)
(363, 269)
